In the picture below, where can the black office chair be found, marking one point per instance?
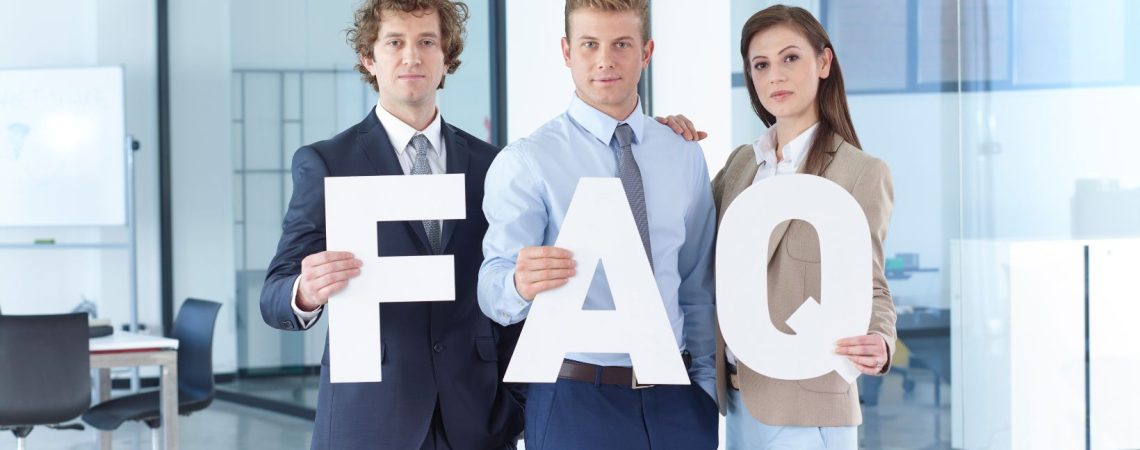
(45, 372)
(194, 329)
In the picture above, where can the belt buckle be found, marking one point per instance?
(633, 384)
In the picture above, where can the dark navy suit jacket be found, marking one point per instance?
(432, 351)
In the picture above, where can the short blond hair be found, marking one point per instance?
(640, 7)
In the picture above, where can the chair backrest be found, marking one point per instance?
(45, 369)
(194, 329)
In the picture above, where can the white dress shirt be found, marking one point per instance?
(400, 135)
(794, 154)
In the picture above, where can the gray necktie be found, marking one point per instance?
(420, 166)
(630, 176)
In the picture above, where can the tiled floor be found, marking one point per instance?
(898, 422)
(298, 390)
(907, 422)
(221, 426)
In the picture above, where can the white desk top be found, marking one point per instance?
(122, 340)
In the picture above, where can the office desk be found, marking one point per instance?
(124, 349)
(923, 322)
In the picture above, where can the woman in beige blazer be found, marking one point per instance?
(796, 89)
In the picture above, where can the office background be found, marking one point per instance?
(1004, 122)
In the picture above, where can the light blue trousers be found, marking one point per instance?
(744, 432)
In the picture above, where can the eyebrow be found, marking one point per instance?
(591, 38)
(780, 52)
(395, 34)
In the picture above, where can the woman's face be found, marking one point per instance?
(786, 72)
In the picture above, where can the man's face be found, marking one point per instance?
(408, 60)
(606, 55)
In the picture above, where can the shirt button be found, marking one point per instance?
(438, 347)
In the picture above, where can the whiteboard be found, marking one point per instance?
(62, 147)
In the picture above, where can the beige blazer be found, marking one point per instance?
(794, 275)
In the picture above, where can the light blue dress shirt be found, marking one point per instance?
(528, 190)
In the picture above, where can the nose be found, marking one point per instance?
(411, 56)
(604, 60)
(776, 75)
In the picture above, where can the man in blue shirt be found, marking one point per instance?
(528, 190)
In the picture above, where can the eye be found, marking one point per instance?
(791, 58)
(427, 42)
(760, 66)
(393, 43)
(622, 45)
(590, 44)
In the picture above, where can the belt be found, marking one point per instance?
(621, 376)
(733, 378)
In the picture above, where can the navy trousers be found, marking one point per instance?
(437, 437)
(576, 415)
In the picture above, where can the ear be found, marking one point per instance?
(825, 63)
(566, 51)
(646, 53)
(367, 62)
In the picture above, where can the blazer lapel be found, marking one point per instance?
(782, 228)
(373, 142)
(743, 180)
(457, 159)
(777, 236)
(740, 178)
(377, 148)
(829, 154)
(744, 173)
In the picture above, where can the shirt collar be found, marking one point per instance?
(401, 134)
(765, 146)
(601, 125)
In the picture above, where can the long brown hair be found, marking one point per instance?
(831, 98)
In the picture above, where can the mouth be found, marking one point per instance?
(412, 77)
(780, 95)
(607, 80)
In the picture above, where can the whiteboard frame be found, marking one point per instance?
(127, 170)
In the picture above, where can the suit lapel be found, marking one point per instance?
(741, 171)
(782, 228)
(373, 141)
(829, 154)
(457, 159)
(743, 180)
(777, 236)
